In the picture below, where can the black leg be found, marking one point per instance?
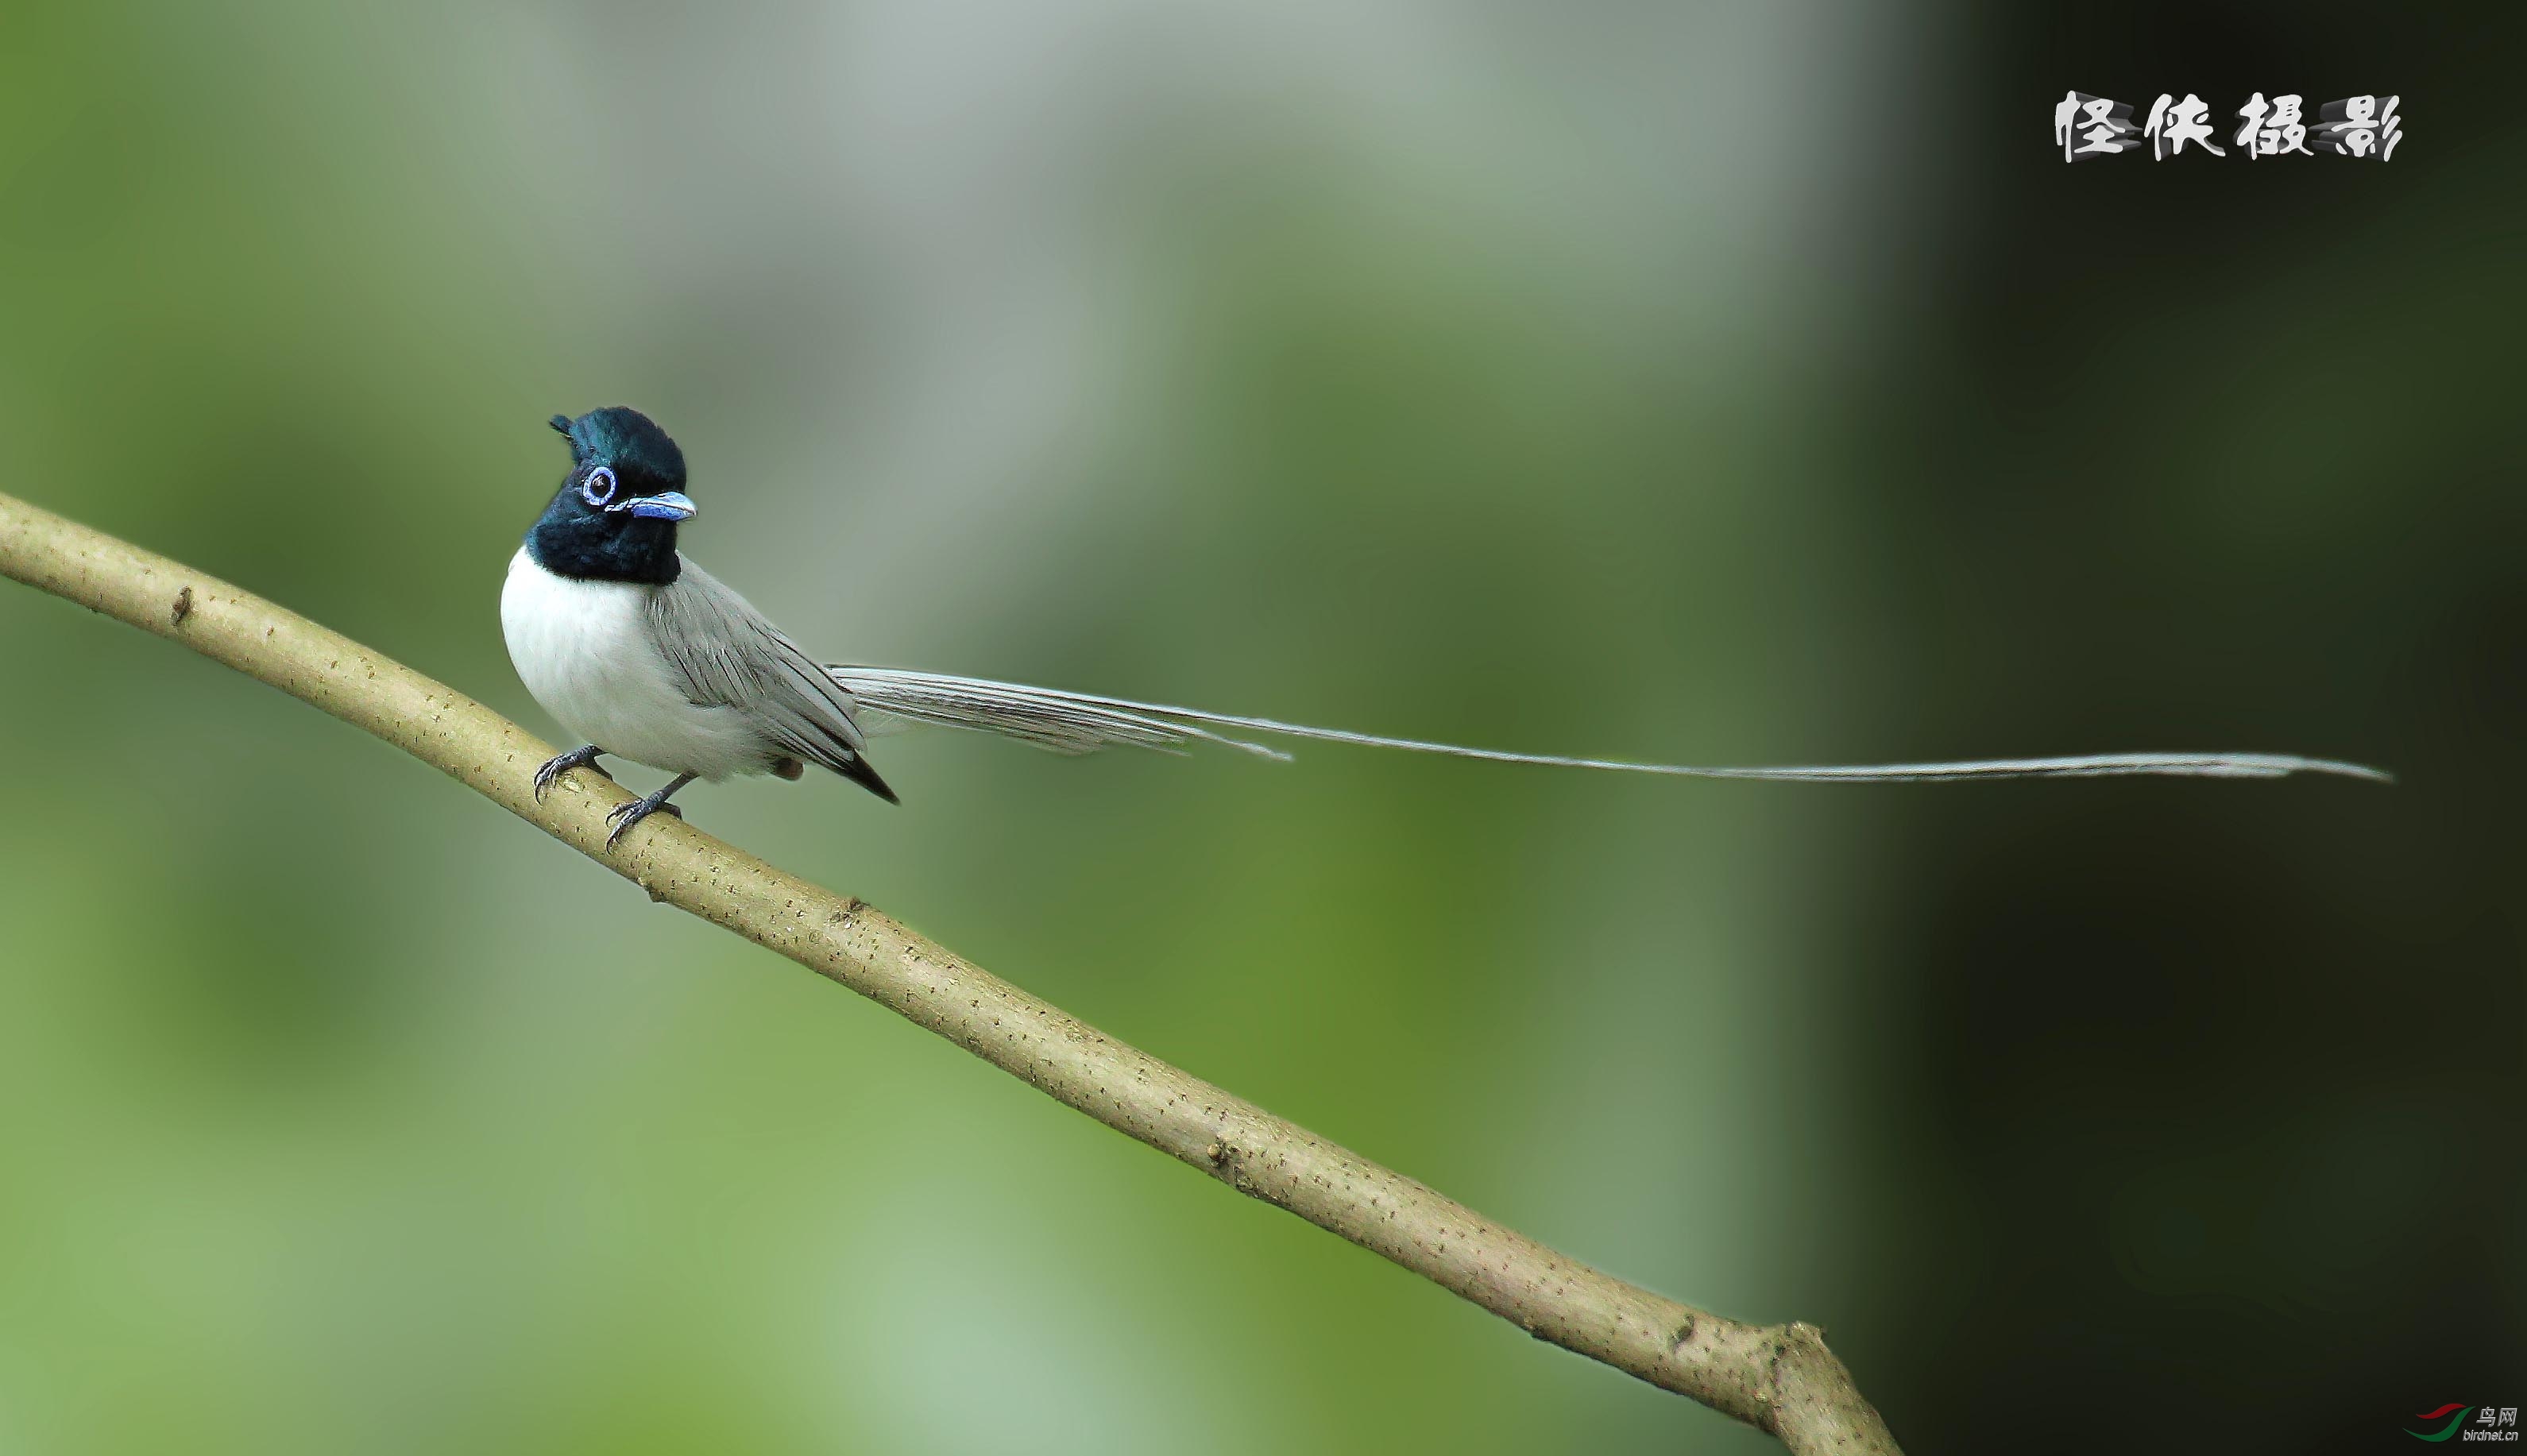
(624, 815)
(583, 757)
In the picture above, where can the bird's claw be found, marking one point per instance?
(624, 815)
(583, 757)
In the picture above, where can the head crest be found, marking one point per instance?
(625, 441)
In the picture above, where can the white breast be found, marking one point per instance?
(583, 648)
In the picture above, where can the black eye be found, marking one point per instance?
(598, 487)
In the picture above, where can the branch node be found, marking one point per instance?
(183, 608)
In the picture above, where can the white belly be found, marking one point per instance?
(582, 649)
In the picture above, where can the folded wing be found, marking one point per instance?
(729, 655)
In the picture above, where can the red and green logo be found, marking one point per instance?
(2457, 1415)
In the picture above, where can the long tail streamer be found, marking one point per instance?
(1083, 723)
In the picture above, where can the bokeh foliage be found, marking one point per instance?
(1733, 383)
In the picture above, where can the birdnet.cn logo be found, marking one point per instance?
(2468, 1423)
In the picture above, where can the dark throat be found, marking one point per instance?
(573, 540)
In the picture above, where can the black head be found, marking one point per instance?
(614, 517)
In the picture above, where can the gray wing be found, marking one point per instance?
(1083, 723)
(729, 655)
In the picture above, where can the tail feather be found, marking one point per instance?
(1066, 722)
(1059, 722)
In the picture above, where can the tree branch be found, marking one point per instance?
(1778, 1377)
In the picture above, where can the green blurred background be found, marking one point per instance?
(1733, 383)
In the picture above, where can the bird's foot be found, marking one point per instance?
(624, 815)
(583, 757)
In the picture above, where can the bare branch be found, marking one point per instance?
(1778, 1377)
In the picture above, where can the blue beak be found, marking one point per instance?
(667, 505)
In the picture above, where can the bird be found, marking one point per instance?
(636, 651)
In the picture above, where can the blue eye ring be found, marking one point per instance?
(590, 489)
